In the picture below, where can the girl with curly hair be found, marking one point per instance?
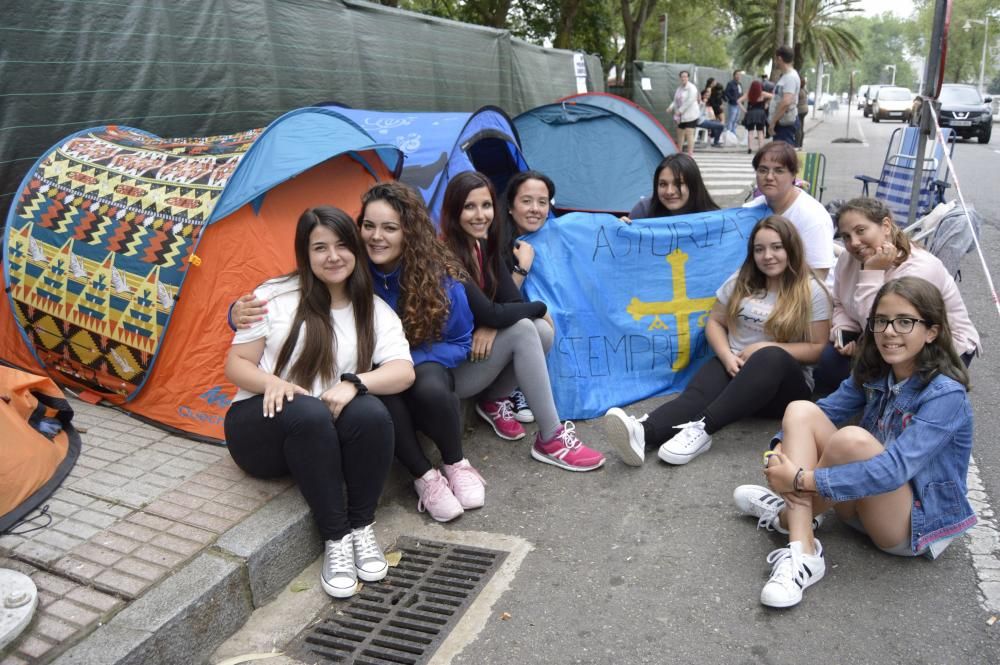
(511, 336)
(416, 275)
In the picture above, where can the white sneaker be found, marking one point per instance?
(522, 412)
(338, 575)
(369, 561)
(687, 444)
(766, 506)
(627, 435)
(436, 497)
(792, 572)
(466, 484)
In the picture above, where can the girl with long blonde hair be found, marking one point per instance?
(767, 327)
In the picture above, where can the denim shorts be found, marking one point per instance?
(903, 548)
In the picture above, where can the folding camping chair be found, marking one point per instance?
(893, 185)
(812, 171)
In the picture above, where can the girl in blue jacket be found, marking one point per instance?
(899, 476)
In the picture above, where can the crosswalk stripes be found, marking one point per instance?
(726, 173)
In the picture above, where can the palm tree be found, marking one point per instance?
(818, 31)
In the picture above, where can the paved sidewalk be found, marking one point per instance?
(141, 513)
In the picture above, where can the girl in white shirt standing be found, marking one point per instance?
(304, 373)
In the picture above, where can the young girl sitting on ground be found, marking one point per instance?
(678, 189)
(767, 327)
(415, 275)
(304, 373)
(507, 348)
(899, 476)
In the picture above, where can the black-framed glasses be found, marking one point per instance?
(901, 324)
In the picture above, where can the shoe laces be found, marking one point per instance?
(784, 563)
(568, 436)
(432, 490)
(519, 400)
(505, 410)
(341, 555)
(689, 432)
(365, 545)
(464, 476)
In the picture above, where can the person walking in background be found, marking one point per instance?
(685, 111)
(783, 117)
(803, 111)
(754, 105)
(732, 94)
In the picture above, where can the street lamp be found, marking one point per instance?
(893, 68)
(986, 40)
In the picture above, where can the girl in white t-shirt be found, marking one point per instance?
(304, 373)
(768, 325)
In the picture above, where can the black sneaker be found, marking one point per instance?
(522, 413)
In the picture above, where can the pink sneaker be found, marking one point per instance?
(500, 415)
(436, 497)
(466, 483)
(566, 451)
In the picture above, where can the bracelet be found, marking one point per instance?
(520, 271)
(797, 481)
(358, 383)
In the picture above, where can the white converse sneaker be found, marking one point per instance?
(766, 506)
(792, 572)
(627, 435)
(338, 575)
(369, 561)
(687, 444)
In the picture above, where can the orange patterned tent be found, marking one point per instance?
(123, 251)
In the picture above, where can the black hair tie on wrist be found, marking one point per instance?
(358, 383)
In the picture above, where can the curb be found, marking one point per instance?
(194, 610)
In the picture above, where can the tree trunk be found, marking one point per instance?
(779, 35)
(633, 19)
(567, 16)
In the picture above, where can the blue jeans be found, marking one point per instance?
(714, 128)
(732, 117)
(785, 133)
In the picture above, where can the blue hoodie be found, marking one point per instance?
(456, 340)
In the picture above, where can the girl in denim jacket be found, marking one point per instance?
(900, 475)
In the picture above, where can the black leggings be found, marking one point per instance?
(764, 386)
(322, 455)
(430, 406)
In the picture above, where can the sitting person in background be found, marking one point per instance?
(767, 328)
(899, 476)
(678, 189)
(878, 251)
(511, 337)
(304, 373)
(708, 120)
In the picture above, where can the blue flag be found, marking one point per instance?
(630, 302)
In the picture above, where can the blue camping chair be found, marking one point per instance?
(893, 185)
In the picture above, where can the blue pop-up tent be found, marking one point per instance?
(438, 146)
(599, 149)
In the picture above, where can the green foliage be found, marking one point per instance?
(885, 40)
(819, 29)
(965, 47)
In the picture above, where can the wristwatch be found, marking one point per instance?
(358, 383)
(520, 271)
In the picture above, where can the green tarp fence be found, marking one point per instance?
(205, 67)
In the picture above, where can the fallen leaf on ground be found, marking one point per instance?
(299, 585)
(992, 620)
(505, 616)
(392, 558)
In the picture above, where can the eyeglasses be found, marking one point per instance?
(901, 324)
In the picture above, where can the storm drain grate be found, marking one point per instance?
(405, 617)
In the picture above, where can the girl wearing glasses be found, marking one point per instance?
(877, 251)
(899, 476)
(767, 328)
